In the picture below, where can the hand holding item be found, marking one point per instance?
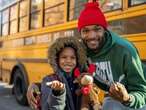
(56, 85)
(119, 92)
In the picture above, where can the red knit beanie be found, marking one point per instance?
(91, 15)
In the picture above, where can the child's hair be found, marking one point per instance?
(59, 44)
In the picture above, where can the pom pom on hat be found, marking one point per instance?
(91, 15)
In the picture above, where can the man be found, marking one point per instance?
(117, 62)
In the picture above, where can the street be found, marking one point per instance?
(7, 100)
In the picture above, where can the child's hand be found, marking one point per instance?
(56, 85)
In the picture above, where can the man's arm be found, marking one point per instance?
(136, 82)
(33, 96)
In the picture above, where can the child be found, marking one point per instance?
(58, 92)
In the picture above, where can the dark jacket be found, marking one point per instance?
(66, 100)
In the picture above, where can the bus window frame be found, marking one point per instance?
(45, 7)
(6, 22)
(73, 9)
(21, 2)
(52, 7)
(133, 5)
(14, 19)
(31, 9)
(0, 23)
(38, 13)
(34, 12)
(106, 12)
(122, 4)
(134, 20)
(22, 30)
(20, 17)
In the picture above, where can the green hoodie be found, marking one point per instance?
(118, 61)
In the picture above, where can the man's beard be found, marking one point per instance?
(99, 46)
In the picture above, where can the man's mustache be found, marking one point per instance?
(93, 39)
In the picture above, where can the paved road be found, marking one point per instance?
(7, 100)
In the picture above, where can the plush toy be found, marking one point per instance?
(88, 89)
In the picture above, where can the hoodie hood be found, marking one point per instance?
(60, 44)
(108, 44)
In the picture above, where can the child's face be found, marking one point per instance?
(67, 59)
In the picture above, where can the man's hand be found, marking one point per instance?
(119, 92)
(33, 96)
(56, 85)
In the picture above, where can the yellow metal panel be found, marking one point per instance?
(136, 37)
(6, 70)
(37, 71)
(33, 51)
(141, 46)
(125, 4)
(140, 42)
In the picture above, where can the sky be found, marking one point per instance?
(3, 3)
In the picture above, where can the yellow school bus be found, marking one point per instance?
(28, 27)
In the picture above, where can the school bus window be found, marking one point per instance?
(35, 20)
(110, 5)
(43, 39)
(5, 16)
(13, 12)
(23, 8)
(123, 26)
(54, 14)
(35, 14)
(5, 28)
(5, 22)
(0, 23)
(13, 19)
(13, 26)
(23, 20)
(36, 5)
(136, 2)
(23, 24)
(75, 6)
(49, 3)
(4, 3)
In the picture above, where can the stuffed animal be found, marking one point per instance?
(88, 89)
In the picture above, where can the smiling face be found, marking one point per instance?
(93, 35)
(67, 59)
